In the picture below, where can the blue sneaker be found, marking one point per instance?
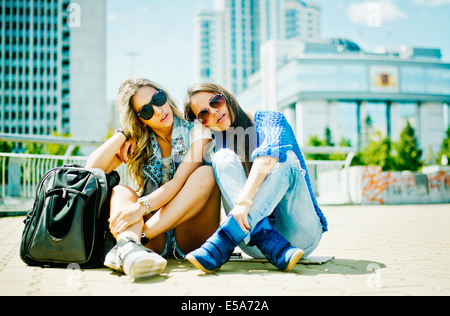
(218, 248)
(274, 246)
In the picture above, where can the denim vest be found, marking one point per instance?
(180, 146)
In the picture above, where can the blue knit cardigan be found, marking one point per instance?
(275, 137)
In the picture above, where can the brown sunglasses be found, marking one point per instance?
(216, 102)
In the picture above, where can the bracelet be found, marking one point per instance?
(120, 130)
(241, 200)
(146, 204)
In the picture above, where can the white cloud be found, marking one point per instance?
(431, 3)
(374, 13)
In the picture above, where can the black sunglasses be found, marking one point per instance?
(147, 112)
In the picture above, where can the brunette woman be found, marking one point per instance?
(264, 183)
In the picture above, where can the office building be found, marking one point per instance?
(229, 38)
(337, 85)
(303, 21)
(271, 54)
(52, 68)
(209, 42)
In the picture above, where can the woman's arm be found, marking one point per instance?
(260, 169)
(192, 160)
(273, 128)
(105, 157)
(164, 194)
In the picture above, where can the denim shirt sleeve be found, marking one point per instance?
(273, 135)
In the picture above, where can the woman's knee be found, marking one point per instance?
(123, 192)
(203, 176)
(223, 157)
(225, 163)
(204, 171)
(121, 197)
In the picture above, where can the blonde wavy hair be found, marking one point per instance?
(135, 129)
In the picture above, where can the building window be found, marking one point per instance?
(376, 119)
(347, 124)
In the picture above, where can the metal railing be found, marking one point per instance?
(330, 179)
(21, 174)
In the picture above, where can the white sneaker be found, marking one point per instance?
(112, 261)
(135, 260)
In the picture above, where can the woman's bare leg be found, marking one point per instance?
(123, 197)
(193, 233)
(187, 204)
(130, 256)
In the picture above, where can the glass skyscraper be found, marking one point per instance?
(303, 20)
(46, 66)
(229, 38)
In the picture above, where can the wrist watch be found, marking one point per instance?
(146, 205)
(242, 200)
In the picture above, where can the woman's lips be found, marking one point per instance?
(221, 119)
(165, 117)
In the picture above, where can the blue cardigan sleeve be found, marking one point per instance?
(275, 139)
(273, 132)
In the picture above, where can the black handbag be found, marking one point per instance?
(68, 223)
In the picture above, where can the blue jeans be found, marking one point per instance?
(283, 194)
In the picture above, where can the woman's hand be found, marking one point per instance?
(106, 156)
(260, 169)
(126, 150)
(126, 218)
(240, 213)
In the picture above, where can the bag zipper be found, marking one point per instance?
(65, 191)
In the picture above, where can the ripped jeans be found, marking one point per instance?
(283, 197)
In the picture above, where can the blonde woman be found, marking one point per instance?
(177, 204)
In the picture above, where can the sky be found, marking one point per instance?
(154, 38)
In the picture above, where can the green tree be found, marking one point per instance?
(328, 141)
(49, 149)
(409, 154)
(34, 149)
(340, 155)
(378, 152)
(314, 141)
(366, 131)
(445, 147)
(6, 147)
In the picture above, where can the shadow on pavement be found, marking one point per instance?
(336, 266)
(341, 266)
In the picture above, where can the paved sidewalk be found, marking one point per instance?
(379, 250)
